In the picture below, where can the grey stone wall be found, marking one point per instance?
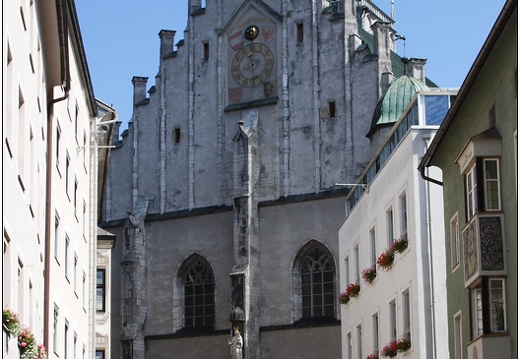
(244, 185)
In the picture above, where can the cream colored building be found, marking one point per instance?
(408, 299)
(51, 137)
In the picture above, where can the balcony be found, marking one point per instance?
(496, 346)
(483, 247)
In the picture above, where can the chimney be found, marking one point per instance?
(167, 38)
(139, 89)
(415, 68)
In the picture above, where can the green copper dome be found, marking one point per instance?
(392, 104)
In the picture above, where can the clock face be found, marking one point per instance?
(252, 65)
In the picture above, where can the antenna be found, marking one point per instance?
(393, 14)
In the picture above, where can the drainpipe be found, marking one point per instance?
(430, 259)
(65, 74)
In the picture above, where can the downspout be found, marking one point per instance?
(426, 178)
(430, 259)
(65, 75)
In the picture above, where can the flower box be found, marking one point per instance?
(400, 244)
(353, 290)
(343, 298)
(369, 274)
(391, 349)
(386, 259)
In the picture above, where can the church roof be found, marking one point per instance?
(392, 104)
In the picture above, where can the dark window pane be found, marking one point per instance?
(199, 290)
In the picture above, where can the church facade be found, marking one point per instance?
(222, 192)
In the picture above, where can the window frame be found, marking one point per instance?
(390, 226)
(206, 319)
(101, 289)
(504, 305)
(471, 194)
(392, 319)
(375, 332)
(403, 209)
(477, 312)
(487, 181)
(407, 313)
(457, 332)
(455, 241)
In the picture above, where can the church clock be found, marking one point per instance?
(252, 59)
(252, 65)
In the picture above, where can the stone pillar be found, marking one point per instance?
(139, 89)
(167, 38)
(133, 284)
(383, 45)
(245, 274)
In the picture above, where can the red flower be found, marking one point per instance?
(353, 290)
(386, 259)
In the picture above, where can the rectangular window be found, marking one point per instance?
(177, 135)
(100, 290)
(360, 342)
(356, 270)
(75, 279)
(299, 32)
(373, 249)
(58, 136)
(55, 330)
(84, 291)
(67, 172)
(471, 192)
(76, 116)
(22, 139)
(56, 236)
(497, 305)
(206, 51)
(392, 312)
(100, 354)
(85, 150)
(350, 354)
(85, 221)
(76, 197)
(455, 241)
(375, 333)
(457, 326)
(404, 215)
(477, 322)
(347, 270)
(332, 108)
(407, 322)
(67, 248)
(75, 348)
(66, 340)
(492, 184)
(21, 293)
(390, 226)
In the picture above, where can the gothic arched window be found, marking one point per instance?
(315, 276)
(199, 293)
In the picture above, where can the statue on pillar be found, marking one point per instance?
(236, 344)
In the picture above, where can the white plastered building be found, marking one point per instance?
(392, 201)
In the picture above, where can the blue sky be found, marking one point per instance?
(121, 39)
